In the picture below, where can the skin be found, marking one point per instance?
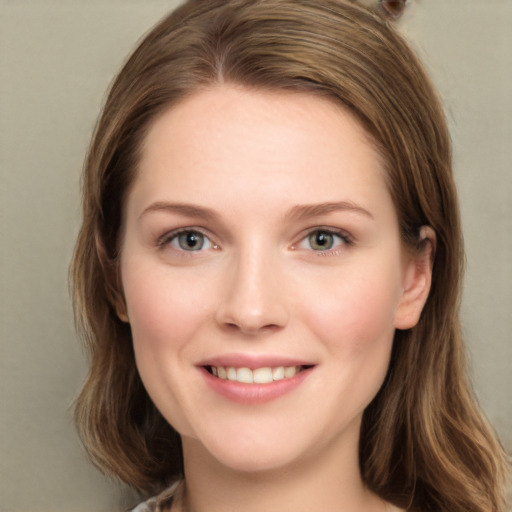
(262, 286)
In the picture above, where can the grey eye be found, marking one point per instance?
(191, 241)
(321, 240)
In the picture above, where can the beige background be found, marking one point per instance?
(57, 57)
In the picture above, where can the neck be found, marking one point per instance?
(329, 480)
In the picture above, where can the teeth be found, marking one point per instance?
(244, 375)
(262, 375)
(289, 371)
(278, 373)
(257, 376)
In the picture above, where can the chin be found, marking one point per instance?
(255, 463)
(245, 454)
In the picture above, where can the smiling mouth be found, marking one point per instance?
(265, 375)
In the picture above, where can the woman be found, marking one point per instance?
(268, 272)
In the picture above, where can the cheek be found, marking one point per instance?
(163, 310)
(164, 314)
(354, 316)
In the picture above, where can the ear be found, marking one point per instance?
(417, 280)
(120, 306)
(112, 277)
(115, 292)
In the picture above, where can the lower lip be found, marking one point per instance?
(254, 393)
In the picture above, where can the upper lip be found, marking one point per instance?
(253, 361)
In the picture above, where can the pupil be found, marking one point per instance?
(191, 241)
(321, 240)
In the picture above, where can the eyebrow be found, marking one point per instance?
(300, 212)
(187, 210)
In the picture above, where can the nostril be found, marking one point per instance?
(251, 308)
(251, 328)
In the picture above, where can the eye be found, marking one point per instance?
(188, 240)
(322, 240)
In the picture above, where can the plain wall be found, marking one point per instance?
(57, 58)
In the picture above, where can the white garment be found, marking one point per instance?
(153, 504)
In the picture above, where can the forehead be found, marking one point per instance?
(213, 108)
(280, 145)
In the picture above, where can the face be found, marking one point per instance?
(263, 275)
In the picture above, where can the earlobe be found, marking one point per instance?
(417, 281)
(120, 307)
(117, 297)
(112, 278)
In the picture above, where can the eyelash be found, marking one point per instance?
(166, 240)
(345, 240)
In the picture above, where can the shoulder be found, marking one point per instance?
(146, 506)
(161, 502)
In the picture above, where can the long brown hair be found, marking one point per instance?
(424, 444)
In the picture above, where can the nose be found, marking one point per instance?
(254, 298)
